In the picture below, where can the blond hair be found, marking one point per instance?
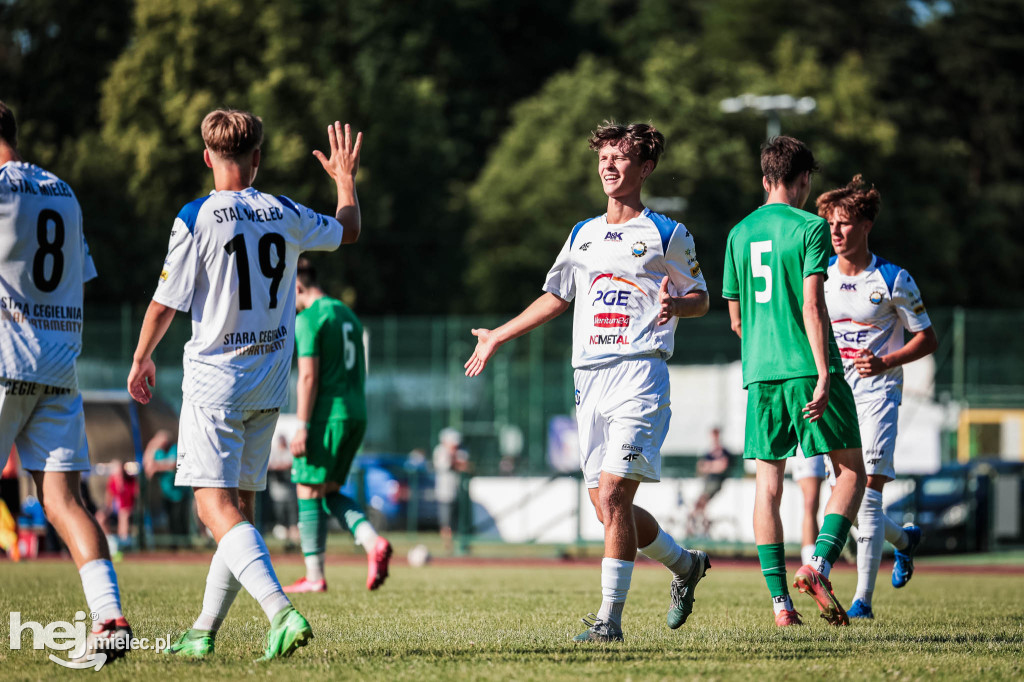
(232, 133)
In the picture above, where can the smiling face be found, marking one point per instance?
(849, 234)
(622, 173)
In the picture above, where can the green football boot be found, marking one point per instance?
(682, 587)
(194, 643)
(288, 631)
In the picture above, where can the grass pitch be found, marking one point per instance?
(504, 623)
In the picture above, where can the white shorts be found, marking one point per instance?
(878, 435)
(622, 412)
(807, 467)
(46, 423)
(220, 448)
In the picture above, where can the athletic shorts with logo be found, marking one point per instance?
(878, 421)
(330, 448)
(775, 421)
(224, 448)
(47, 425)
(622, 413)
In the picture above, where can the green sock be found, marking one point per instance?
(345, 510)
(773, 566)
(312, 527)
(834, 530)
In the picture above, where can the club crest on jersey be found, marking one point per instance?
(877, 297)
(613, 237)
(848, 286)
(639, 249)
(695, 270)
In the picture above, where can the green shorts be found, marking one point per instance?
(330, 448)
(775, 421)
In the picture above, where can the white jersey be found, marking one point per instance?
(870, 311)
(44, 261)
(616, 271)
(232, 261)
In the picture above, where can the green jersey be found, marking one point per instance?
(768, 255)
(330, 331)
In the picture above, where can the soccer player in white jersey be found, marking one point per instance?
(634, 272)
(44, 262)
(871, 302)
(232, 263)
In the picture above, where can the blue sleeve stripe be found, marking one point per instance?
(889, 272)
(666, 227)
(576, 230)
(190, 212)
(288, 203)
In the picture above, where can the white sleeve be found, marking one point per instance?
(684, 273)
(561, 279)
(318, 232)
(906, 298)
(88, 267)
(178, 277)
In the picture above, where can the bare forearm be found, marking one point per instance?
(693, 304)
(921, 344)
(735, 318)
(545, 308)
(306, 397)
(817, 325)
(348, 209)
(154, 326)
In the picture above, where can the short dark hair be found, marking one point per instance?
(306, 273)
(784, 158)
(8, 126)
(642, 138)
(860, 200)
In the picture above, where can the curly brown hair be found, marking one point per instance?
(860, 200)
(642, 138)
(231, 133)
(8, 127)
(784, 158)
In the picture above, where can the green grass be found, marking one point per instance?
(489, 623)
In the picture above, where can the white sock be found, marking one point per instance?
(101, 594)
(314, 567)
(783, 603)
(245, 554)
(806, 552)
(894, 534)
(221, 590)
(615, 578)
(819, 564)
(665, 551)
(365, 535)
(869, 544)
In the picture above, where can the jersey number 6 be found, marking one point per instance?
(760, 270)
(273, 272)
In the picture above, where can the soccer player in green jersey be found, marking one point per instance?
(332, 409)
(775, 268)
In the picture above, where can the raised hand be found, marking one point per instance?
(344, 159)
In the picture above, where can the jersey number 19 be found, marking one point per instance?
(274, 272)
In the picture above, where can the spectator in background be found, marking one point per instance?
(450, 461)
(713, 467)
(122, 492)
(159, 461)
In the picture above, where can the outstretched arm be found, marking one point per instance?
(142, 377)
(342, 166)
(816, 323)
(545, 308)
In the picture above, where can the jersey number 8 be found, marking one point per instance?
(48, 248)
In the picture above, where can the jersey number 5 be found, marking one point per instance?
(760, 270)
(273, 272)
(350, 346)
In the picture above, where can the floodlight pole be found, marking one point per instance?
(771, 107)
